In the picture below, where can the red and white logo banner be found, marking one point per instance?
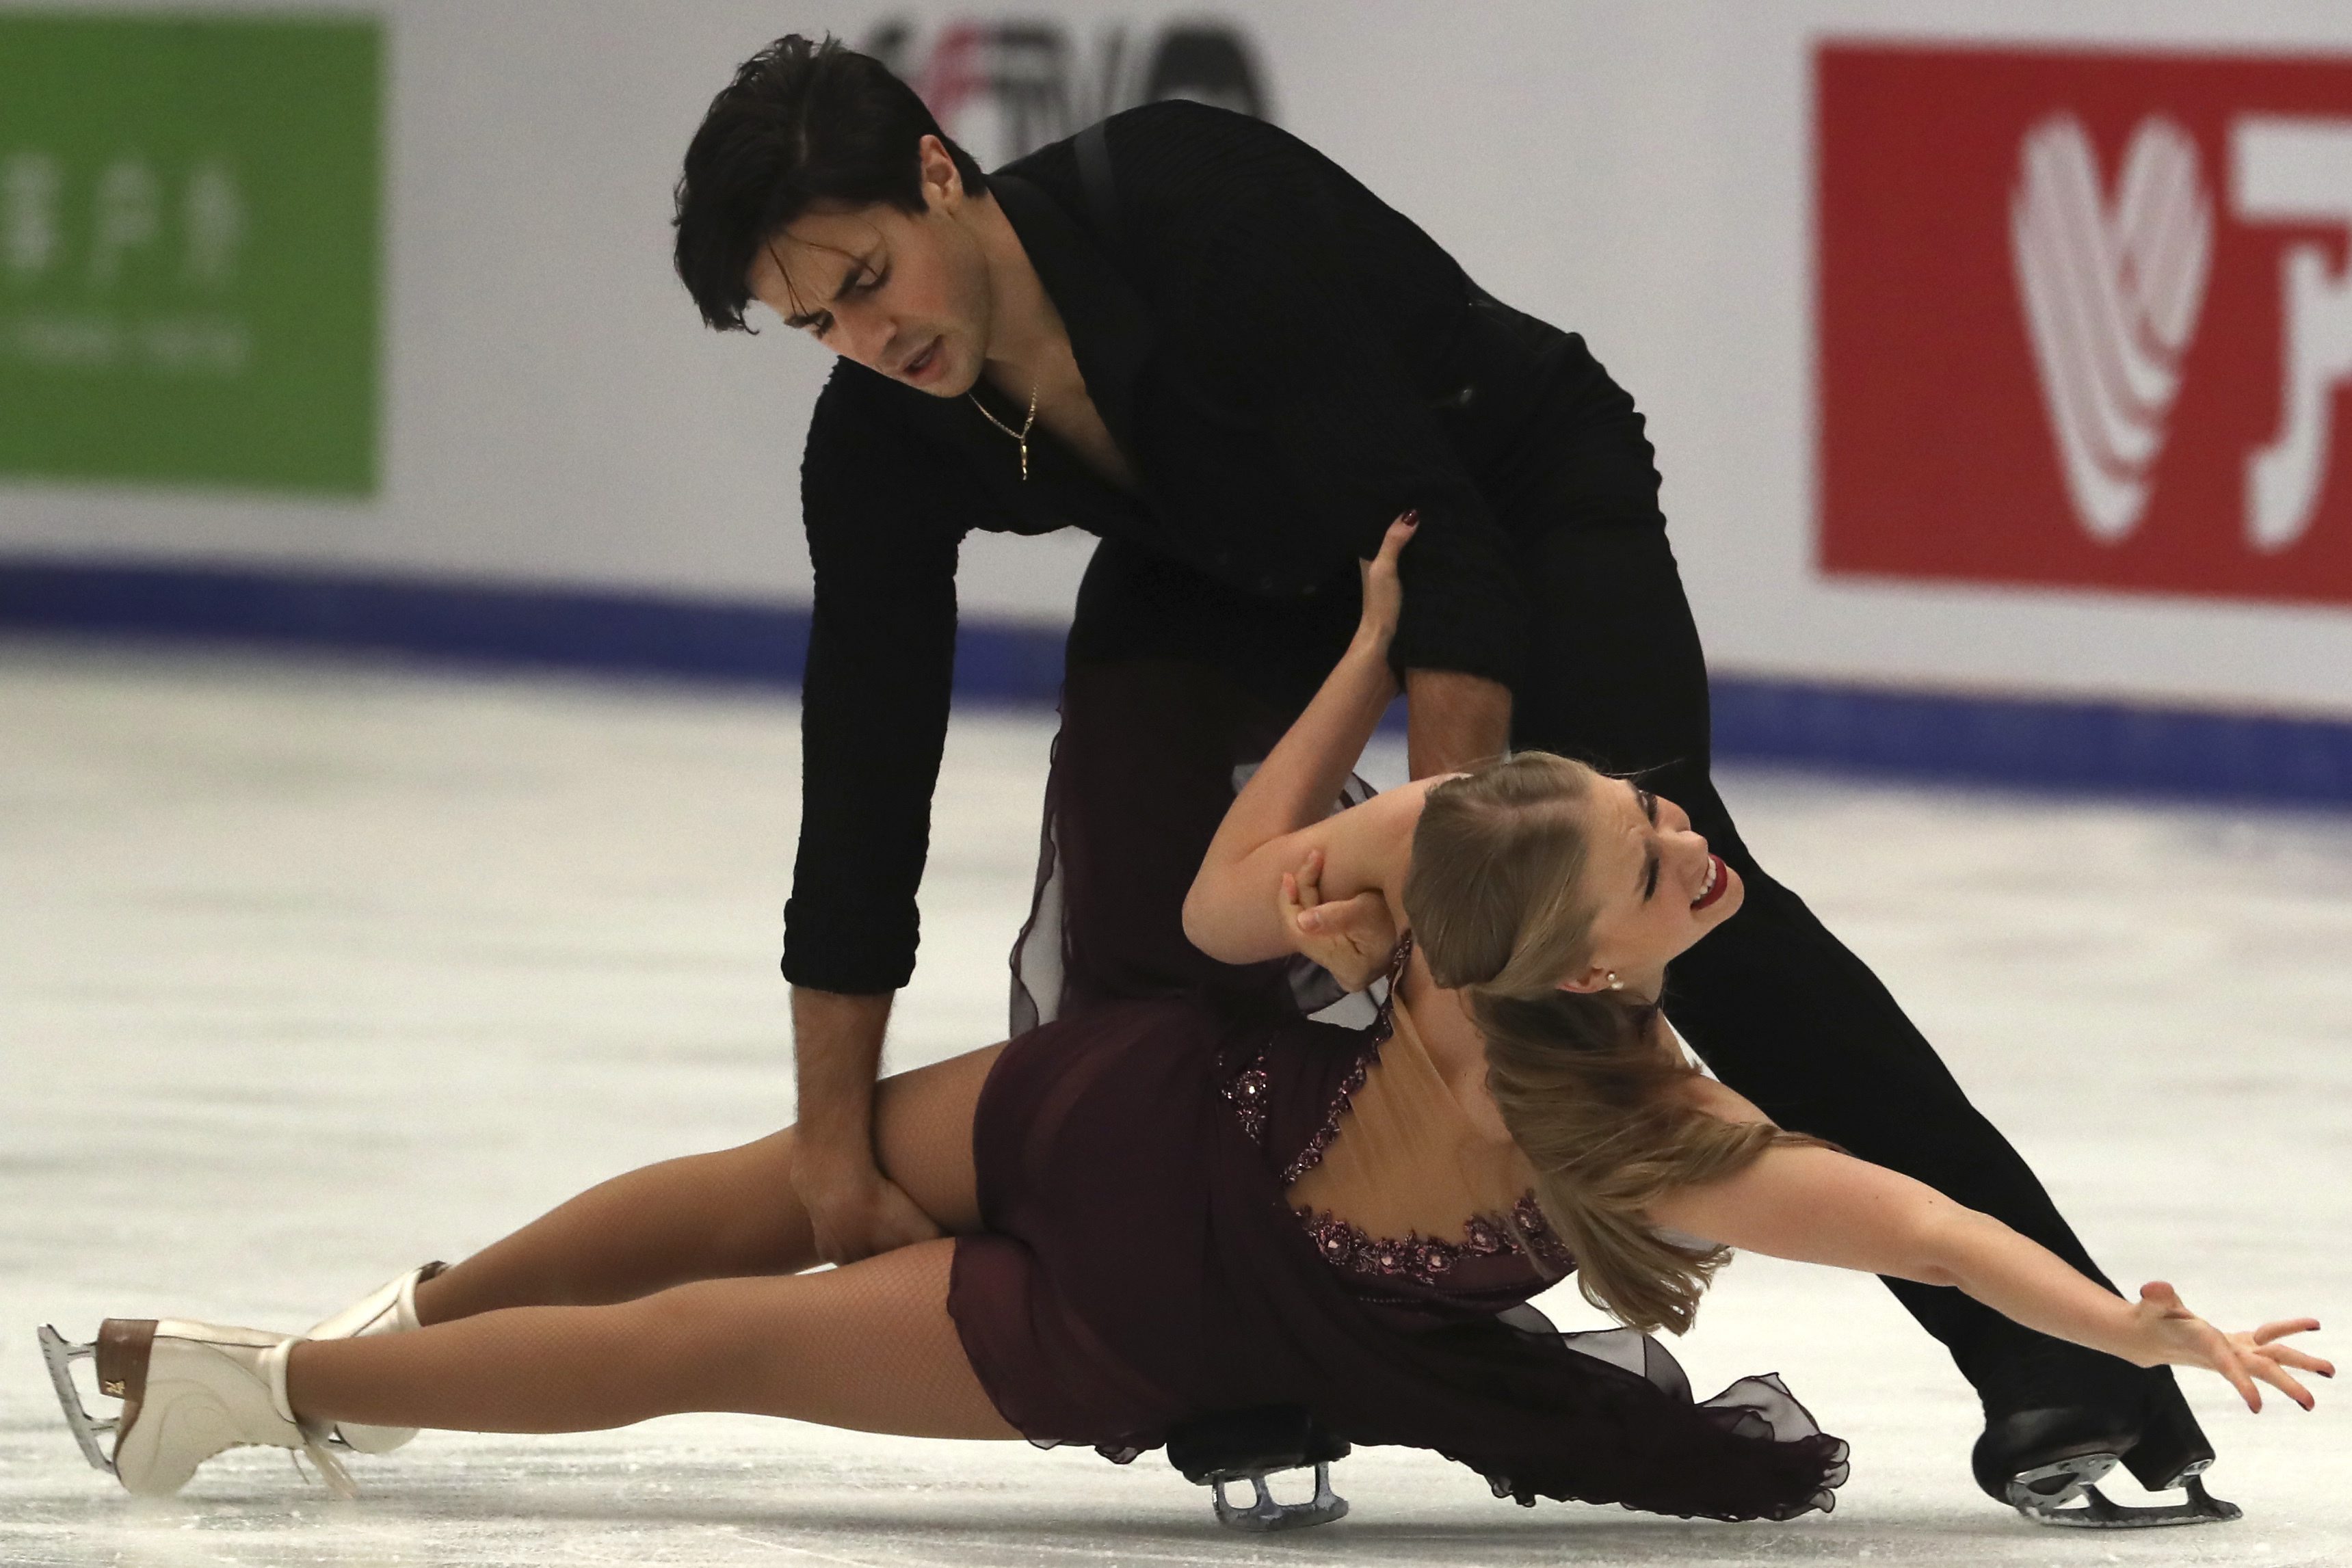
(2085, 318)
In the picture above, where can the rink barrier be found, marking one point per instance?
(1954, 737)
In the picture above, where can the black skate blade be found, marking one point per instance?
(2097, 1512)
(1265, 1515)
(87, 1428)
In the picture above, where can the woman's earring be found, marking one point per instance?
(1615, 983)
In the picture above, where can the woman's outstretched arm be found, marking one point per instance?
(1284, 812)
(1818, 1206)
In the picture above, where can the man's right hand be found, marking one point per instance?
(855, 1210)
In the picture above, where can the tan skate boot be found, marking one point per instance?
(189, 1390)
(390, 1308)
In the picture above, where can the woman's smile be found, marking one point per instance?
(1717, 879)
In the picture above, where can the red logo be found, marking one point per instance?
(2085, 318)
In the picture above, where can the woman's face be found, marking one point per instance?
(905, 294)
(1657, 886)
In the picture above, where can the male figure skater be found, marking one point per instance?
(1189, 334)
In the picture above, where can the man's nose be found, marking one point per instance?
(870, 339)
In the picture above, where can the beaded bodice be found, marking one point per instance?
(1398, 1186)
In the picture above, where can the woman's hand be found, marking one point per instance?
(1383, 593)
(2176, 1336)
(1352, 938)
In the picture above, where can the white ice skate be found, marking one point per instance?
(188, 1390)
(390, 1308)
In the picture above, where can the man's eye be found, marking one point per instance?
(1649, 803)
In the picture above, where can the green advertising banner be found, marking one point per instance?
(188, 249)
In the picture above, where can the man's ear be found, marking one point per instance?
(942, 184)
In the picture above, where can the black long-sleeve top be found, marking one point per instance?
(1287, 364)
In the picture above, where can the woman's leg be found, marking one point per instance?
(718, 1215)
(868, 1346)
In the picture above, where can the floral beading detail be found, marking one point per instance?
(1383, 1027)
(1319, 1145)
(1251, 1091)
(1547, 1247)
(1426, 1259)
(1247, 1093)
(1423, 1259)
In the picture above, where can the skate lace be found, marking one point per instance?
(332, 1473)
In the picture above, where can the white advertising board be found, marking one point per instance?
(554, 414)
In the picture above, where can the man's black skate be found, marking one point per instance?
(1251, 1445)
(2170, 1448)
(2038, 1461)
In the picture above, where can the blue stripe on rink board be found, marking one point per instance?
(616, 634)
(2034, 742)
(2021, 741)
(475, 622)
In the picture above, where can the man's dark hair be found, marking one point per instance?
(801, 123)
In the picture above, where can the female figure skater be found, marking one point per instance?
(1179, 1204)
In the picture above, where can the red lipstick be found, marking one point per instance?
(1718, 879)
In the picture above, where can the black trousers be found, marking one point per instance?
(1778, 1006)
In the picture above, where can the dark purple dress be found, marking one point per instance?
(1140, 1263)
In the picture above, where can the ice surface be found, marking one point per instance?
(306, 975)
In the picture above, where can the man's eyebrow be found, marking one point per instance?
(857, 265)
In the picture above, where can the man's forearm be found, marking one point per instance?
(1453, 721)
(836, 1049)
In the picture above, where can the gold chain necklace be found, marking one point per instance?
(1022, 435)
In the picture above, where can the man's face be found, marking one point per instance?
(903, 293)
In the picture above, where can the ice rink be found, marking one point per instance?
(308, 973)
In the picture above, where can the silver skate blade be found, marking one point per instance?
(2097, 1512)
(1265, 1515)
(87, 1428)
(2035, 1493)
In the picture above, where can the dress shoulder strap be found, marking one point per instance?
(1398, 957)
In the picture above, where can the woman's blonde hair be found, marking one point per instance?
(1588, 1083)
